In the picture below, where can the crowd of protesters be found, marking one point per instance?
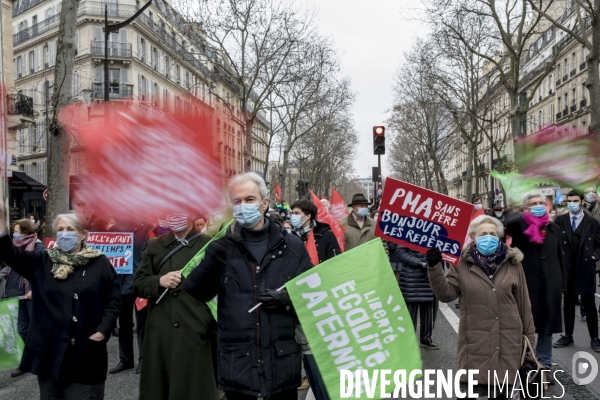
(521, 275)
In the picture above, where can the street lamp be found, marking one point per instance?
(489, 121)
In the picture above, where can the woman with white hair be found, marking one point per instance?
(495, 311)
(75, 304)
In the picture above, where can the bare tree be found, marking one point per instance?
(581, 22)
(513, 26)
(420, 115)
(59, 141)
(253, 40)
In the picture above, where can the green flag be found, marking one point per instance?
(354, 316)
(193, 263)
(11, 344)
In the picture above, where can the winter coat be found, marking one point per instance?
(544, 269)
(595, 212)
(257, 354)
(494, 313)
(414, 283)
(355, 235)
(589, 246)
(140, 239)
(326, 242)
(180, 340)
(65, 314)
(12, 284)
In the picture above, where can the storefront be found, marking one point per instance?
(26, 196)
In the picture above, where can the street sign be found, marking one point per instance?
(45, 194)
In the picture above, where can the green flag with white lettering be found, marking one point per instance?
(11, 344)
(354, 317)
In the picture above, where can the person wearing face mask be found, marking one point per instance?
(179, 346)
(25, 237)
(358, 227)
(248, 266)
(287, 224)
(76, 300)
(495, 310)
(593, 206)
(540, 241)
(581, 246)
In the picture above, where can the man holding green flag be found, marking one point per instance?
(257, 353)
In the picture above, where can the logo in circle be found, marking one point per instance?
(585, 368)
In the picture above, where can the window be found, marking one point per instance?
(178, 73)
(559, 103)
(75, 84)
(21, 140)
(583, 91)
(41, 135)
(19, 67)
(573, 96)
(43, 173)
(573, 61)
(154, 58)
(32, 62)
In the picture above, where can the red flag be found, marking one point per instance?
(140, 303)
(311, 247)
(277, 193)
(338, 206)
(548, 206)
(145, 162)
(325, 217)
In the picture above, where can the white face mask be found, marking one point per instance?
(478, 206)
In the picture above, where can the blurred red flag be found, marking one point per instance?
(277, 192)
(476, 213)
(145, 162)
(325, 217)
(311, 247)
(548, 206)
(338, 206)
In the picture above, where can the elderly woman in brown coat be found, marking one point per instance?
(495, 311)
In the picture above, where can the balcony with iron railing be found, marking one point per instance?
(19, 104)
(573, 107)
(582, 66)
(115, 49)
(115, 90)
(583, 103)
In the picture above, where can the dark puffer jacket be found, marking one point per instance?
(257, 353)
(326, 242)
(414, 282)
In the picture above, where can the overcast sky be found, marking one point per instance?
(370, 37)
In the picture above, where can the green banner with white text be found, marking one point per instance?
(11, 344)
(354, 316)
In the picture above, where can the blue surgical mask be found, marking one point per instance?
(363, 212)
(17, 235)
(538, 210)
(247, 215)
(590, 198)
(67, 241)
(487, 244)
(574, 207)
(296, 221)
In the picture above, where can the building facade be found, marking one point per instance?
(157, 61)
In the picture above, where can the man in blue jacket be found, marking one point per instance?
(257, 353)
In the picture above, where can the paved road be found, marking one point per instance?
(124, 386)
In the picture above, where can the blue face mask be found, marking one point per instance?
(363, 212)
(296, 221)
(247, 215)
(487, 244)
(538, 210)
(574, 207)
(17, 235)
(67, 241)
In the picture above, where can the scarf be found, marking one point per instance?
(63, 264)
(27, 243)
(489, 264)
(304, 232)
(534, 231)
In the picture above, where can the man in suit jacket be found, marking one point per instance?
(581, 244)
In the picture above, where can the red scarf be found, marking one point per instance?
(534, 231)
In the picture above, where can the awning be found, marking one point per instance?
(20, 180)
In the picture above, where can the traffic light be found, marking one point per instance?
(379, 140)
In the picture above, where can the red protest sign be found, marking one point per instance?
(50, 243)
(420, 219)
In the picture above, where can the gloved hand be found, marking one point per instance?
(433, 257)
(275, 300)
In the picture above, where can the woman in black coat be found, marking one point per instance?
(76, 301)
(540, 242)
(417, 292)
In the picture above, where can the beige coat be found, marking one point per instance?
(355, 235)
(494, 314)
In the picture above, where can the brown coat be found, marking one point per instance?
(355, 235)
(494, 313)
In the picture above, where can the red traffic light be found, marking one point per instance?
(379, 130)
